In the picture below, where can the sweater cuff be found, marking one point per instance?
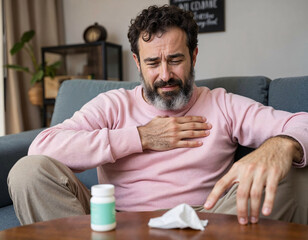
(124, 142)
(301, 138)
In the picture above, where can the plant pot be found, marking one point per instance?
(35, 94)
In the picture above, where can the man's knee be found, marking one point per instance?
(27, 172)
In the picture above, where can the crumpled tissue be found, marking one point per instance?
(181, 216)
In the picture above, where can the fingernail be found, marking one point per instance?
(243, 221)
(253, 220)
(207, 204)
(266, 211)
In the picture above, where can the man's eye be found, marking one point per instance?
(175, 62)
(152, 64)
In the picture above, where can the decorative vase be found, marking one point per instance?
(35, 94)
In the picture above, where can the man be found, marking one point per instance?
(165, 142)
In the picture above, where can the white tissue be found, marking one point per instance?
(181, 216)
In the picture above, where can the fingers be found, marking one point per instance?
(220, 187)
(256, 194)
(263, 179)
(189, 144)
(251, 186)
(252, 181)
(187, 119)
(192, 127)
(192, 123)
(270, 193)
(193, 134)
(242, 197)
(263, 168)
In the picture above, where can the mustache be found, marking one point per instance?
(170, 82)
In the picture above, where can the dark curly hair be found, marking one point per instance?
(157, 20)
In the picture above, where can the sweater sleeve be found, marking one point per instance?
(251, 123)
(92, 137)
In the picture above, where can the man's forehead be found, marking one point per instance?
(171, 41)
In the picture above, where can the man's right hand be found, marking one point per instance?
(165, 133)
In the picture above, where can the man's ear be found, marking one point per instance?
(195, 53)
(137, 61)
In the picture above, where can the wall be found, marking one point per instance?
(264, 37)
(2, 126)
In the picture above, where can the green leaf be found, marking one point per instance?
(27, 36)
(17, 68)
(50, 70)
(55, 65)
(16, 48)
(37, 76)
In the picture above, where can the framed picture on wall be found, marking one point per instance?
(209, 14)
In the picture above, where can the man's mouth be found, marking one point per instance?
(169, 87)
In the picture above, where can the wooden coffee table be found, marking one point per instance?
(133, 225)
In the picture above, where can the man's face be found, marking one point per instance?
(166, 69)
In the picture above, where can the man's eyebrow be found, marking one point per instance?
(153, 59)
(176, 55)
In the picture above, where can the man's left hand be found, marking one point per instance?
(263, 168)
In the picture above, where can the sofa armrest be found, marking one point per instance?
(12, 148)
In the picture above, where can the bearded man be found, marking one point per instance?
(165, 142)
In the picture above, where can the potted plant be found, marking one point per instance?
(37, 71)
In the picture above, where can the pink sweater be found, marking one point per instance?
(104, 134)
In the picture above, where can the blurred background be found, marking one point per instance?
(264, 37)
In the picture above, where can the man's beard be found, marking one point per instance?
(171, 100)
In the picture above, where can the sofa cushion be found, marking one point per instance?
(253, 87)
(8, 218)
(289, 94)
(73, 94)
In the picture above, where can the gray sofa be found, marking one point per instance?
(289, 94)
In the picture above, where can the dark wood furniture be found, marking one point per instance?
(98, 60)
(133, 225)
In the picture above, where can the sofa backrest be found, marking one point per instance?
(289, 94)
(73, 94)
(255, 88)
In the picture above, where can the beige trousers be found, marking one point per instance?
(43, 189)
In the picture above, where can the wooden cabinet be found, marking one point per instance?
(99, 60)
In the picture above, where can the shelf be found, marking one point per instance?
(100, 60)
(49, 101)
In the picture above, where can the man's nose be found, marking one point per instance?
(165, 72)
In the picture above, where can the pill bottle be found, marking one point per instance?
(102, 207)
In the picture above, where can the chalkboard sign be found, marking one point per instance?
(209, 14)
